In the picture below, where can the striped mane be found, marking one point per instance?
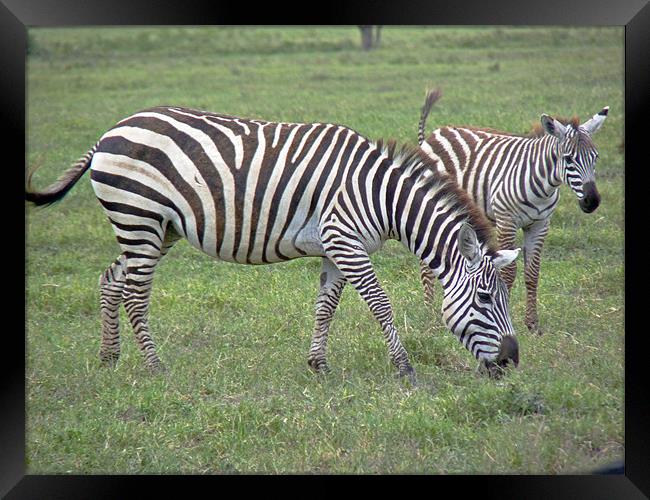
(538, 131)
(415, 163)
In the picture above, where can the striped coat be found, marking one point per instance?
(256, 192)
(515, 180)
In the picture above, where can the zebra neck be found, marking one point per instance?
(551, 168)
(539, 169)
(445, 260)
(426, 218)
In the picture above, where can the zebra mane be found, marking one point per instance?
(538, 131)
(419, 167)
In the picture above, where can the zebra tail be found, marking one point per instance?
(57, 190)
(432, 97)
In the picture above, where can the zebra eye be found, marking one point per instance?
(568, 159)
(484, 297)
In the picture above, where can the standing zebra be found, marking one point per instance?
(516, 180)
(255, 192)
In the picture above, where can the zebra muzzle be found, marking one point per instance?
(508, 353)
(591, 199)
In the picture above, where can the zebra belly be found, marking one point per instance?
(308, 239)
(300, 240)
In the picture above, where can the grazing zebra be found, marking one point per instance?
(254, 192)
(516, 180)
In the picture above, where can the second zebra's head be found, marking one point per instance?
(475, 306)
(577, 155)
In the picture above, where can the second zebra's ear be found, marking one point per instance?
(468, 244)
(595, 122)
(505, 257)
(553, 127)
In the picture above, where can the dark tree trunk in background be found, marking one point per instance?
(367, 39)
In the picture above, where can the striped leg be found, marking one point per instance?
(428, 280)
(111, 286)
(506, 235)
(534, 236)
(331, 287)
(140, 268)
(354, 263)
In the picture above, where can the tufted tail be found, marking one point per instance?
(57, 190)
(432, 97)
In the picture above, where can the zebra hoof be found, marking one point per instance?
(408, 373)
(108, 359)
(533, 327)
(157, 368)
(318, 365)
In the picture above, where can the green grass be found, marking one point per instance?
(238, 396)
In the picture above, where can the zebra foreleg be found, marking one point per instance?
(111, 286)
(428, 281)
(534, 236)
(331, 287)
(354, 263)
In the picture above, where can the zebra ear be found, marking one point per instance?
(468, 244)
(596, 121)
(553, 127)
(505, 257)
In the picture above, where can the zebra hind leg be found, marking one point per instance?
(111, 286)
(331, 287)
(506, 236)
(140, 269)
(534, 236)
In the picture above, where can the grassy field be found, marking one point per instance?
(238, 395)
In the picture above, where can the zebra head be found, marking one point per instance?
(475, 305)
(577, 155)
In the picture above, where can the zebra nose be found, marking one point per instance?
(591, 198)
(508, 352)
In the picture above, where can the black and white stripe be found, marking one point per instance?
(515, 180)
(255, 192)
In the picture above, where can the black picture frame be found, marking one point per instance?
(632, 481)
